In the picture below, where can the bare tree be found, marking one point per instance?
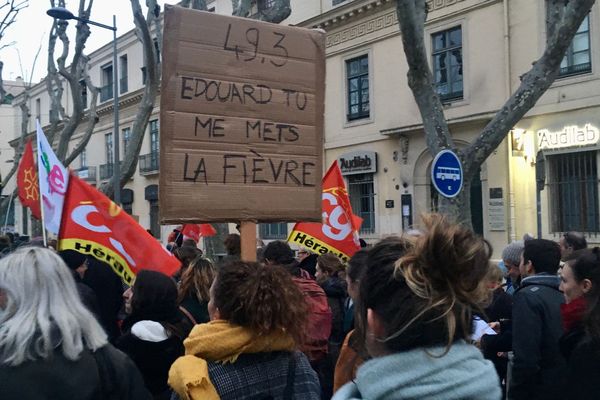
(8, 14)
(275, 13)
(564, 18)
(73, 75)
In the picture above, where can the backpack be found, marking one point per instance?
(319, 319)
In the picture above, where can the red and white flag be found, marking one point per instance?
(92, 224)
(338, 233)
(196, 231)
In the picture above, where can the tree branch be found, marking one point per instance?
(411, 18)
(533, 84)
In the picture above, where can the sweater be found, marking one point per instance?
(462, 373)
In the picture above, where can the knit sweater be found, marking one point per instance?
(462, 373)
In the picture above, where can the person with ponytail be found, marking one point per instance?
(249, 349)
(414, 316)
(580, 344)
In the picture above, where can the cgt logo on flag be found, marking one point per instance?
(94, 225)
(338, 233)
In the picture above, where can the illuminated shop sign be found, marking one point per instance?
(570, 136)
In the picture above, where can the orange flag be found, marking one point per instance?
(92, 224)
(338, 233)
(27, 182)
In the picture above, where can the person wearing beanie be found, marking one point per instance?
(77, 264)
(511, 257)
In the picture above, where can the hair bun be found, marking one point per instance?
(446, 259)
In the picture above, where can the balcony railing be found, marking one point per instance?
(149, 163)
(88, 174)
(106, 92)
(106, 170)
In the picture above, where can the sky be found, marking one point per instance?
(32, 27)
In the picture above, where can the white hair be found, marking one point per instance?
(42, 310)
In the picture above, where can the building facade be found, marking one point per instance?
(478, 50)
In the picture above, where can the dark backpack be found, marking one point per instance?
(319, 319)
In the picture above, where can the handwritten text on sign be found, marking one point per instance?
(241, 119)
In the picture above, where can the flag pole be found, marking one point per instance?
(8, 211)
(43, 219)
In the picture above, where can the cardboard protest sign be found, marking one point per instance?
(242, 105)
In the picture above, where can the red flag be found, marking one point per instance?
(92, 224)
(27, 182)
(196, 231)
(338, 233)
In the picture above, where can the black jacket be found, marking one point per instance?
(583, 365)
(335, 289)
(58, 378)
(109, 291)
(538, 368)
(153, 357)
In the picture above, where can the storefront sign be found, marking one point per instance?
(570, 136)
(496, 215)
(358, 162)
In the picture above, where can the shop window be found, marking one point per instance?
(573, 194)
(357, 75)
(362, 199)
(578, 56)
(277, 230)
(448, 63)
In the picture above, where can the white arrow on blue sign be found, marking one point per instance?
(447, 173)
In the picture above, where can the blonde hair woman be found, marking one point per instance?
(50, 344)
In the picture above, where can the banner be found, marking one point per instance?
(27, 182)
(54, 180)
(96, 226)
(338, 233)
(196, 231)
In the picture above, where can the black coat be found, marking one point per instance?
(335, 289)
(154, 359)
(538, 368)
(60, 379)
(583, 365)
(109, 292)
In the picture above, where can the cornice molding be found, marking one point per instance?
(366, 27)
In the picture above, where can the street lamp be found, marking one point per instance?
(63, 13)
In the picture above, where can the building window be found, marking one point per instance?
(83, 158)
(157, 49)
(154, 137)
(357, 73)
(447, 63)
(83, 89)
(211, 9)
(126, 138)
(106, 91)
(123, 86)
(578, 56)
(336, 2)
(278, 230)
(38, 110)
(573, 195)
(110, 157)
(362, 198)
(144, 74)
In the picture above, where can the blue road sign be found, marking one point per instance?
(447, 173)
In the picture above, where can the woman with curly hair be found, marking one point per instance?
(414, 316)
(194, 290)
(249, 349)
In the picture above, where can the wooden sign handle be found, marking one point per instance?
(248, 238)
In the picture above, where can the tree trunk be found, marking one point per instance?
(564, 18)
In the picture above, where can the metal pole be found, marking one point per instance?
(8, 210)
(117, 163)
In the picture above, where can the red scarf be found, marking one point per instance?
(572, 313)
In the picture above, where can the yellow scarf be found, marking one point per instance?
(218, 341)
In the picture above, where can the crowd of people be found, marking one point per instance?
(400, 320)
